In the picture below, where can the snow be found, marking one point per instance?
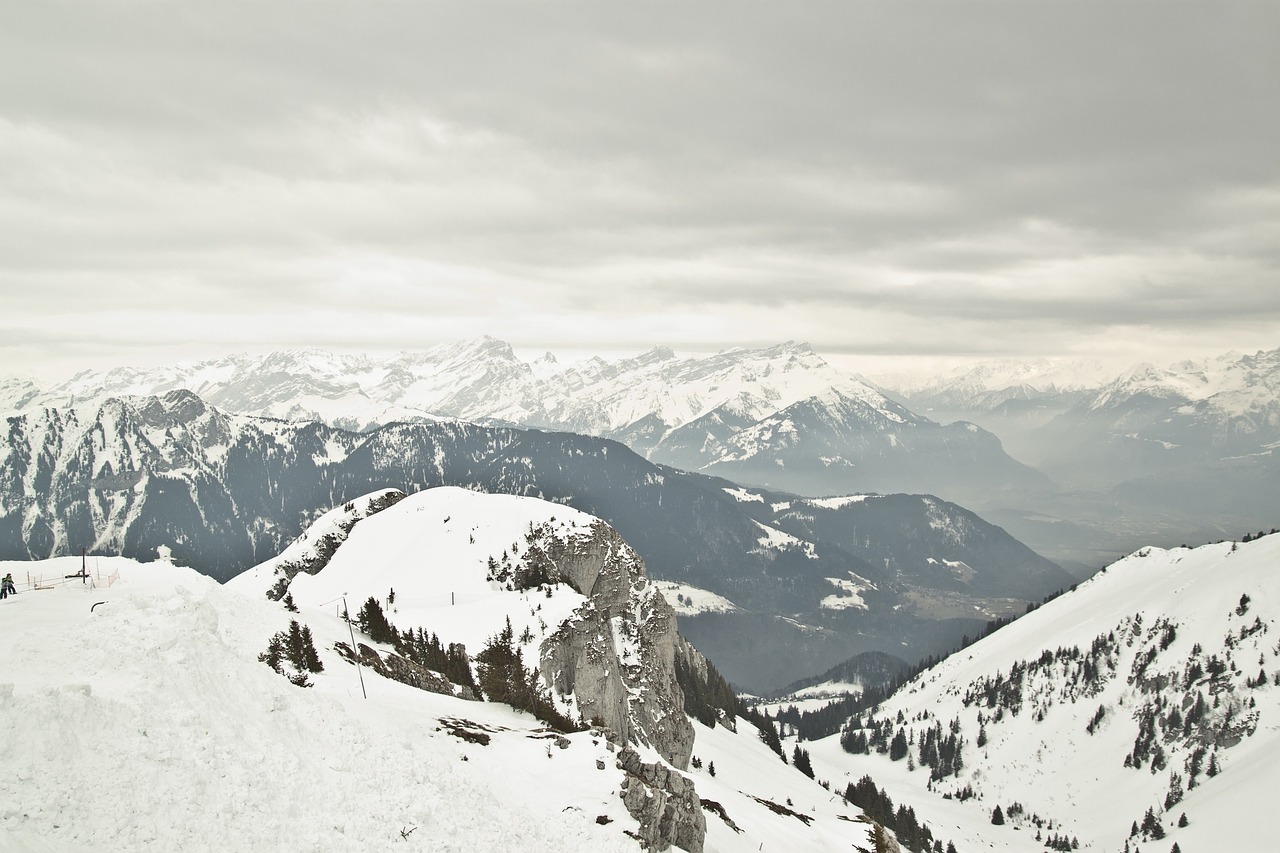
(850, 595)
(1052, 765)
(777, 540)
(695, 601)
(1045, 374)
(140, 717)
(433, 548)
(840, 502)
(148, 723)
(482, 379)
(744, 496)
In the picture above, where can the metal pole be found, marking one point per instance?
(355, 653)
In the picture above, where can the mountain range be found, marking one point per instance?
(1081, 463)
(800, 584)
(779, 417)
(1161, 455)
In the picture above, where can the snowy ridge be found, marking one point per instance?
(480, 379)
(1104, 703)
(1230, 384)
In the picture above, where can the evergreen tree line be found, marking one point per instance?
(295, 646)
(768, 733)
(422, 648)
(504, 678)
(705, 700)
(427, 651)
(829, 719)
(1062, 843)
(938, 750)
(902, 822)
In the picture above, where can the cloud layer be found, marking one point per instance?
(878, 179)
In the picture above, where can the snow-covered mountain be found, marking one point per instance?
(974, 381)
(142, 716)
(1150, 692)
(222, 492)
(781, 410)
(1195, 439)
(1152, 454)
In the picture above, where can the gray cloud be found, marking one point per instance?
(871, 177)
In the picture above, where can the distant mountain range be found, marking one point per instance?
(779, 417)
(1165, 455)
(808, 581)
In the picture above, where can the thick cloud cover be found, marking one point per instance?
(879, 179)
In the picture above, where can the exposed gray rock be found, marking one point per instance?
(665, 802)
(616, 654)
(397, 668)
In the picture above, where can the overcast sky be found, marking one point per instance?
(907, 180)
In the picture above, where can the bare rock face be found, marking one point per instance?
(665, 803)
(616, 654)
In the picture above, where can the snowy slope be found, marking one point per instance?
(148, 723)
(1157, 631)
(141, 717)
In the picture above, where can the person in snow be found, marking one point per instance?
(6, 586)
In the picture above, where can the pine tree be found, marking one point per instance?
(769, 735)
(294, 647)
(374, 622)
(288, 603)
(898, 748)
(1182, 821)
(310, 658)
(997, 817)
(800, 759)
(711, 768)
(274, 655)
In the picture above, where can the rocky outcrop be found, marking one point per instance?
(664, 802)
(405, 671)
(616, 654)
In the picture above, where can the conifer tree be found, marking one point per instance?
(800, 759)
(310, 658)
(997, 816)
(294, 647)
(374, 622)
(274, 655)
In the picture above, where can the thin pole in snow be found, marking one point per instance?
(354, 652)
